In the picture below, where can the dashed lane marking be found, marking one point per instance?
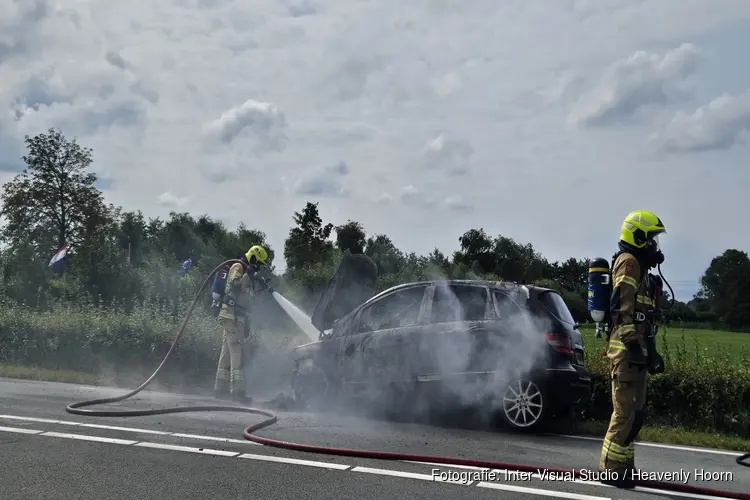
(309, 463)
(127, 429)
(16, 430)
(188, 449)
(293, 461)
(296, 461)
(691, 449)
(85, 437)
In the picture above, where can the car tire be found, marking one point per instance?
(312, 386)
(524, 405)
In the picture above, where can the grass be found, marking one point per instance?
(670, 435)
(45, 374)
(709, 343)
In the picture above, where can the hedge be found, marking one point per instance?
(710, 394)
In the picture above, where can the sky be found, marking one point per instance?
(547, 121)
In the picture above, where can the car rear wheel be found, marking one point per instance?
(524, 405)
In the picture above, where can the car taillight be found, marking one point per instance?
(560, 343)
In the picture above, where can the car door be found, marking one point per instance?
(512, 332)
(456, 315)
(378, 349)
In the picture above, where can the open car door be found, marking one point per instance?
(354, 282)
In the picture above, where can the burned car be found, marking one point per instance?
(512, 349)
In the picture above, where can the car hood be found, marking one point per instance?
(354, 282)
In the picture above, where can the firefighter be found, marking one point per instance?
(234, 318)
(630, 306)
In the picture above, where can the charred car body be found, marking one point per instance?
(514, 350)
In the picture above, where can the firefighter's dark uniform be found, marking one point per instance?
(630, 309)
(235, 322)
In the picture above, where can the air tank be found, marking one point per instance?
(600, 289)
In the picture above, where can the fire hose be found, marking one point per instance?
(76, 408)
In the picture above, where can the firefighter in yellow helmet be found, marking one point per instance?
(234, 317)
(631, 306)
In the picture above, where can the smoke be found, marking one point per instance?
(458, 365)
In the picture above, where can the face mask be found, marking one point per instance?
(655, 255)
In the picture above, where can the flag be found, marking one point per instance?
(57, 263)
(185, 267)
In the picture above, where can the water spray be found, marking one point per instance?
(77, 408)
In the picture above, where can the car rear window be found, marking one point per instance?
(554, 304)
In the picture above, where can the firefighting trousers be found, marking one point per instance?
(230, 372)
(629, 386)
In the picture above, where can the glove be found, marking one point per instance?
(655, 361)
(655, 364)
(635, 354)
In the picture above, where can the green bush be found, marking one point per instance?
(696, 391)
(124, 344)
(92, 338)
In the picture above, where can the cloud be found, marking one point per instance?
(263, 119)
(170, 200)
(448, 154)
(302, 9)
(218, 100)
(643, 79)
(720, 124)
(458, 203)
(412, 197)
(326, 181)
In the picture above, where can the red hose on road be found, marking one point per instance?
(76, 409)
(483, 464)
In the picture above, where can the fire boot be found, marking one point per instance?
(241, 398)
(620, 478)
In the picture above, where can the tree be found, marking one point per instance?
(307, 243)
(725, 284)
(380, 248)
(476, 251)
(351, 236)
(53, 200)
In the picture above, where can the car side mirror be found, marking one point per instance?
(576, 326)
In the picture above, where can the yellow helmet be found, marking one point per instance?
(258, 252)
(639, 227)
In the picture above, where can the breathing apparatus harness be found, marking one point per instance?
(218, 289)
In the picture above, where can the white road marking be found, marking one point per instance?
(125, 429)
(295, 461)
(84, 437)
(128, 429)
(410, 475)
(537, 491)
(328, 465)
(188, 449)
(448, 466)
(213, 438)
(19, 430)
(660, 445)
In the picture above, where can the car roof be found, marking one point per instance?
(508, 286)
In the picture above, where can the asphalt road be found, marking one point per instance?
(50, 454)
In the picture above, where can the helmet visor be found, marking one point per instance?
(656, 238)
